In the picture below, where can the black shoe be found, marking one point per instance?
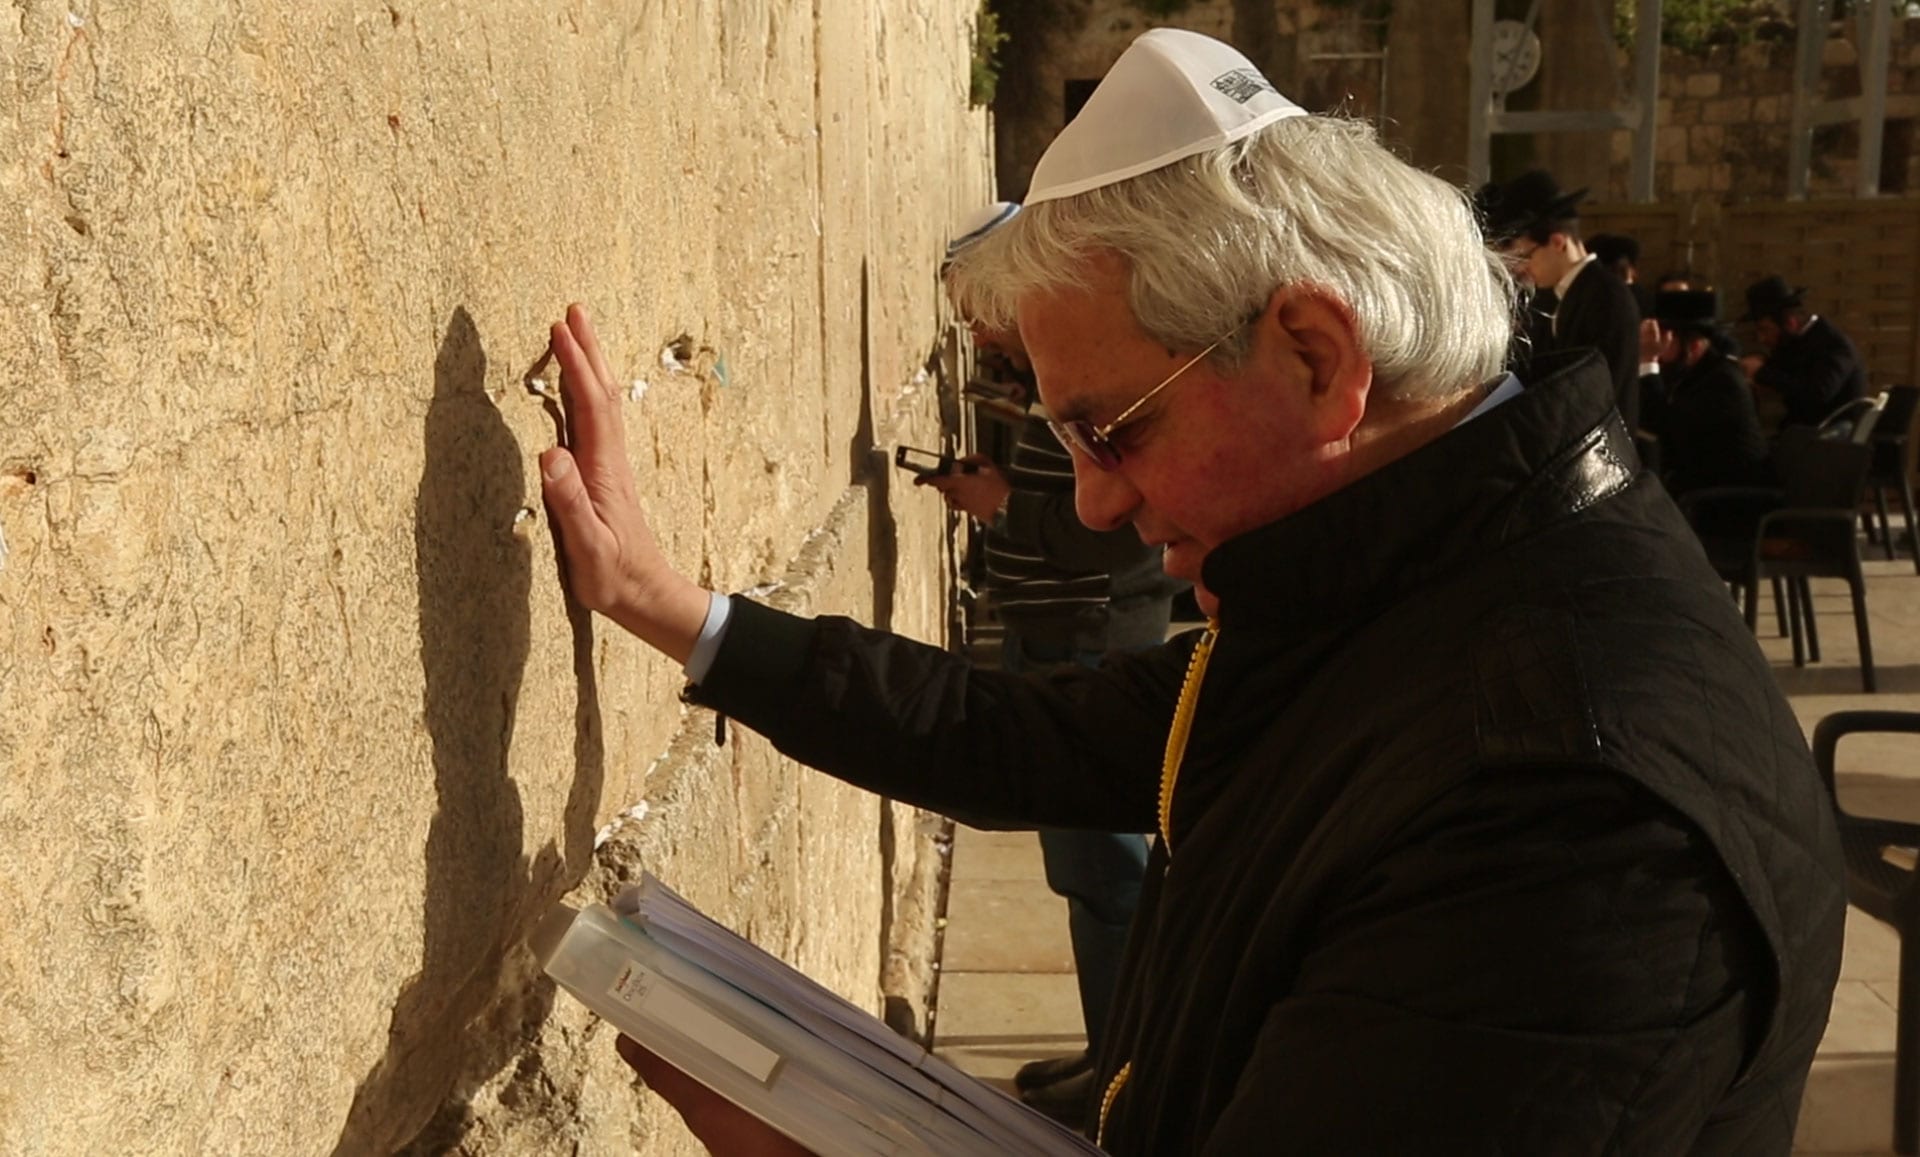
(1068, 1100)
(1037, 1074)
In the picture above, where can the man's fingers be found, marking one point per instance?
(583, 533)
(583, 332)
(723, 1127)
(643, 1062)
(592, 418)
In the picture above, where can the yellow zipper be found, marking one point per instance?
(1183, 714)
(1182, 725)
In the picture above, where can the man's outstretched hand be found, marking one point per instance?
(723, 1127)
(614, 566)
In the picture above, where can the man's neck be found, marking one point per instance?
(1581, 259)
(1394, 429)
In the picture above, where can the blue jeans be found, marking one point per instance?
(1097, 873)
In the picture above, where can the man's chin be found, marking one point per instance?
(1207, 601)
(1182, 560)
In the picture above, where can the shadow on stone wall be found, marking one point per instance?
(872, 468)
(474, 576)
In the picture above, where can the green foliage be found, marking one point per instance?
(1697, 25)
(1161, 7)
(987, 39)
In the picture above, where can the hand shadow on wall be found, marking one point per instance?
(474, 577)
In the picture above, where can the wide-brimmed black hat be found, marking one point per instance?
(1531, 199)
(1612, 248)
(1769, 295)
(1693, 310)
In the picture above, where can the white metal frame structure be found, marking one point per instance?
(1874, 32)
(1636, 112)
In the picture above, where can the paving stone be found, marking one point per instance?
(1848, 1108)
(1872, 951)
(979, 855)
(1006, 926)
(1860, 1026)
(1010, 1008)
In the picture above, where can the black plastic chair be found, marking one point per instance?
(1888, 892)
(1813, 536)
(1727, 519)
(1854, 421)
(1894, 441)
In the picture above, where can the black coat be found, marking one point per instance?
(1494, 834)
(1816, 371)
(1708, 427)
(1599, 313)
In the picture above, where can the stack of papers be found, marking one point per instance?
(785, 1049)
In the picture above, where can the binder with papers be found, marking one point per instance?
(777, 1044)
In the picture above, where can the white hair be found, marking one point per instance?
(1308, 200)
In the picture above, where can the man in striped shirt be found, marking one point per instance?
(1065, 594)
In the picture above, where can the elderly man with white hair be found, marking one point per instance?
(1481, 826)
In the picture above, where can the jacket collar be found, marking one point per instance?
(1556, 449)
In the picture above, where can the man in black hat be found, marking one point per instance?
(1812, 365)
(1538, 228)
(1533, 327)
(1621, 253)
(1695, 399)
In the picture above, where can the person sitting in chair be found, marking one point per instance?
(1813, 366)
(1695, 399)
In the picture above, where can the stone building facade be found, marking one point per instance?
(299, 736)
(1723, 115)
(1725, 118)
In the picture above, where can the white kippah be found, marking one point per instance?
(979, 223)
(1170, 95)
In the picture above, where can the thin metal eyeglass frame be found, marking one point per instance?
(1095, 441)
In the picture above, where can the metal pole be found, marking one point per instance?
(1646, 88)
(1480, 94)
(1806, 82)
(1875, 32)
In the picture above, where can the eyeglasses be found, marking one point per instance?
(1096, 442)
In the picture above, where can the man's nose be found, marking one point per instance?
(1104, 499)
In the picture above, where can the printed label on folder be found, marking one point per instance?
(646, 992)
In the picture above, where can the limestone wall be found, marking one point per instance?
(1725, 122)
(297, 734)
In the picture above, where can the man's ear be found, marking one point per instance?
(1317, 340)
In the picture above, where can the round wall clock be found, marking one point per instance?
(1516, 56)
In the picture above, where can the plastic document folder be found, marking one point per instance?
(785, 1049)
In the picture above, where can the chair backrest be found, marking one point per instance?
(1853, 421)
(1876, 886)
(1897, 436)
(1869, 419)
(1901, 413)
(1827, 475)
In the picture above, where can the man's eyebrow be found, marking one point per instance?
(1074, 411)
(1084, 405)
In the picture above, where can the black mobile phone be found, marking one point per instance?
(926, 463)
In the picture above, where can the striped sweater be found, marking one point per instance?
(1053, 578)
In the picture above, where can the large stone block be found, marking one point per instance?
(1703, 84)
(1733, 110)
(298, 732)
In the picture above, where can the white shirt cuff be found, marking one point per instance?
(712, 632)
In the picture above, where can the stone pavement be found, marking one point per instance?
(1007, 992)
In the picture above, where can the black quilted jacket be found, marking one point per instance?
(1494, 835)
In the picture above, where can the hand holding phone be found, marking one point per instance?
(927, 464)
